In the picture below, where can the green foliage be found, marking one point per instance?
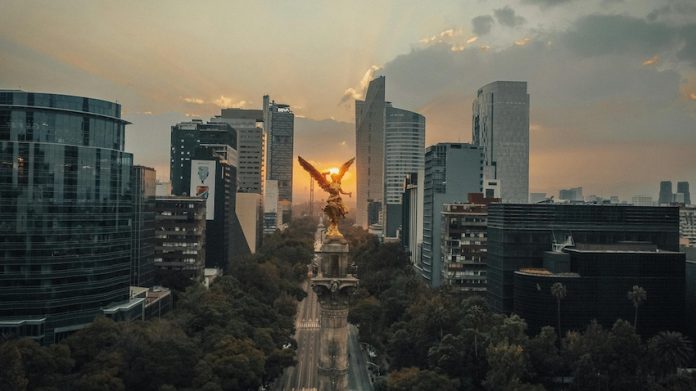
(231, 337)
(415, 379)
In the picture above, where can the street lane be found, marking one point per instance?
(358, 375)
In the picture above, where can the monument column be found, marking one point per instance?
(333, 283)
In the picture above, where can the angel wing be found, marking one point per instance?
(321, 180)
(344, 168)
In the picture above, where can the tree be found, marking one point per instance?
(670, 350)
(558, 291)
(415, 379)
(637, 296)
(12, 376)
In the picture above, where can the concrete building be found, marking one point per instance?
(250, 214)
(572, 194)
(452, 171)
(143, 247)
(519, 234)
(683, 188)
(180, 236)
(687, 225)
(463, 242)
(666, 194)
(251, 147)
(536, 197)
(66, 207)
(690, 304)
(500, 126)
(404, 143)
(280, 126)
(411, 234)
(369, 154)
(642, 200)
(597, 278)
(271, 208)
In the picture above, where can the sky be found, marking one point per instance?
(612, 83)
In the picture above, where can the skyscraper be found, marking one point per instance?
(369, 153)
(665, 193)
(66, 206)
(683, 188)
(143, 249)
(280, 125)
(404, 147)
(452, 171)
(500, 126)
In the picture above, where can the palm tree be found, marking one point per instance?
(671, 350)
(558, 291)
(637, 296)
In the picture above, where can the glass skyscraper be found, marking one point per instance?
(66, 211)
(280, 125)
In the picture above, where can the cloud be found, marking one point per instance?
(197, 101)
(507, 17)
(358, 93)
(225, 102)
(482, 24)
(546, 3)
(443, 36)
(652, 60)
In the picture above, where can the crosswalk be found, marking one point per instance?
(308, 324)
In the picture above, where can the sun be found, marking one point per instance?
(333, 170)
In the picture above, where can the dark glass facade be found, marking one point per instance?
(144, 186)
(65, 212)
(597, 285)
(519, 234)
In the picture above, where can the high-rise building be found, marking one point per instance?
(280, 125)
(404, 146)
(369, 153)
(180, 236)
(452, 171)
(66, 206)
(143, 248)
(519, 234)
(411, 234)
(251, 147)
(572, 194)
(500, 126)
(687, 225)
(665, 193)
(597, 278)
(463, 243)
(683, 188)
(271, 209)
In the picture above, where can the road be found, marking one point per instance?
(358, 376)
(303, 377)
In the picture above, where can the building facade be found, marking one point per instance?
(597, 279)
(683, 189)
(66, 206)
(519, 234)
(500, 126)
(404, 143)
(280, 125)
(687, 225)
(463, 244)
(666, 194)
(180, 236)
(143, 247)
(572, 194)
(452, 171)
(411, 234)
(369, 153)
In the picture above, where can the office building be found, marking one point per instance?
(143, 248)
(369, 154)
(519, 234)
(271, 208)
(411, 234)
(452, 171)
(536, 197)
(666, 194)
(251, 145)
(687, 225)
(572, 194)
(463, 243)
(500, 126)
(66, 207)
(250, 214)
(683, 188)
(598, 278)
(180, 236)
(280, 126)
(642, 200)
(404, 143)
(690, 304)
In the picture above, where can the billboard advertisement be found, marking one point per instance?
(203, 184)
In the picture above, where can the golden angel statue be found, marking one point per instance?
(334, 209)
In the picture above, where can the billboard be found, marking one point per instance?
(203, 184)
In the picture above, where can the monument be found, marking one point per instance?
(334, 282)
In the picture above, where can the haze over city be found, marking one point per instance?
(612, 83)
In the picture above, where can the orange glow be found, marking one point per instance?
(333, 170)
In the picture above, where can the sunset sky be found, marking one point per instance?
(612, 82)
